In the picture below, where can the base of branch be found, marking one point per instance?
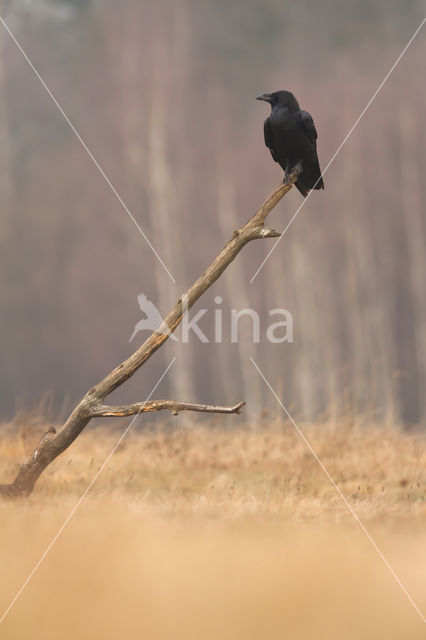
(11, 492)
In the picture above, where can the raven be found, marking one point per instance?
(291, 137)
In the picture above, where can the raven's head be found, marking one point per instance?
(283, 99)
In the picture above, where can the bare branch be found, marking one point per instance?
(91, 403)
(107, 411)
(252, 230)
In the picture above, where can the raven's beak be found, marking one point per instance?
(267, 97)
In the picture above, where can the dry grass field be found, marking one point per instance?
(209, 532)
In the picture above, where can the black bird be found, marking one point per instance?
(291, 137)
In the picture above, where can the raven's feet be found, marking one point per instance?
(287, 179)
(291, 173)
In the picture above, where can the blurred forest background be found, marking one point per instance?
(162, 92)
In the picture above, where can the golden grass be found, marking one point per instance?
(208, 532)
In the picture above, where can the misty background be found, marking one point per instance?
(162, 92)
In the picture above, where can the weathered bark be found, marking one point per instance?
(91, 405)
(108, 411)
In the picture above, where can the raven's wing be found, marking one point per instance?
(309, 127)
(312, 171)
(268, 138)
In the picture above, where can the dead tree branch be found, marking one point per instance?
(106, 411)
(91, 405)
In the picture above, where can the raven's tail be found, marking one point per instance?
(315, 175)
(310, 178)
(301, 186)
(319, 182)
